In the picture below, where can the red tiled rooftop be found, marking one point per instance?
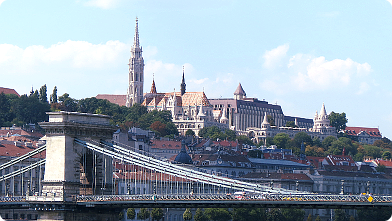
(11, 150)
(112, 98)
(373, 132)
(166, 144)
(8, 91)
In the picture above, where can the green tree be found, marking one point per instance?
(386, 155)
(121, 215)
(190, 133)
(291, 124)
(43, 96)
(275, 215)
(318, 218)
(217, 214)
(271, 120)
(314, 151)
(374, 214)
(157, 214)
(309, 218)
(67, 103)
(5, 108)
(302, 137)
(242, 139)
(282, 140)
(293, 214)
(200, 216)
(372, 151)
(143, 214)
(248, 214)
(255, 154)
(352, 218)
(317, 142)
(230, 134)
(187, 214)
(380, 168)
(53, 96)
(338, 121)
(340, 215)
(326, 143)
(131, 214)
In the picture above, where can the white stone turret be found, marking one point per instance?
(224, 119)
(265, 124)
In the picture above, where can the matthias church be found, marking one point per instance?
(193, 110)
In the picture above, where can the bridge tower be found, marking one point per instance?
(70, 168)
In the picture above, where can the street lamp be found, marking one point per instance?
(368, 186)
(296, 185)
(342, 189)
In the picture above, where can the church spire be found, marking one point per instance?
(153, 88)
(136, 38)
(183, 85)
(135, 71)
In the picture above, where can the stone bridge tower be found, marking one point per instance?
(72, 169)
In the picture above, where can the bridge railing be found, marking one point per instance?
(250, 197)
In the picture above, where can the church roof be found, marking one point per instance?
(8, 91)
(112, 98)
(188, 99)
(239, 90)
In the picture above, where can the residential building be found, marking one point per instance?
(364, 135)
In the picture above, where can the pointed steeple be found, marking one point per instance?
(265, 123)
(183, 85)
(153, 88)
(323, 112)
(136, 38)
(224, 119)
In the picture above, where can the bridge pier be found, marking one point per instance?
(70, 167)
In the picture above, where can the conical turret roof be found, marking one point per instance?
(239, 90)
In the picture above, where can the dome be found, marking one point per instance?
(183, 157)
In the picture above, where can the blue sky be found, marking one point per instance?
(298, 54)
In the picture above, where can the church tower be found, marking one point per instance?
(183, 85)
(136, 72)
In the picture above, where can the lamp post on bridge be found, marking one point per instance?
(368, 187)
(342, 188)
(297, 185)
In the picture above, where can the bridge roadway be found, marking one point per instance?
(118, 202)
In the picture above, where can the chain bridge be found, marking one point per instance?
(79, 178)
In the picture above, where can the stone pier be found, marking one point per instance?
(72, 169)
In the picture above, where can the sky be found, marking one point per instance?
(298, 54)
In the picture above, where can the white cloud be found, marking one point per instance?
(390, 1)
(104, 4)
(273, 57)
(65, 64)
(1, 1)
(306, 73)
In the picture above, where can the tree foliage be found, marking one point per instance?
(248, 214)
(190, 133)
(157, 214)
(340, 215)
(282, 140)
(131, 214)
(217, 214)
(187, 214)
(200, 216)
(338, 121)
(143, 214)
(293, 214)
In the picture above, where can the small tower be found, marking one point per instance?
(239, 93)
(223, 119)
(136, 72)
(153, 88)
(265, 124)
(183, 85)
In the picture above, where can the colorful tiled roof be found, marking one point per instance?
(11, 150)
